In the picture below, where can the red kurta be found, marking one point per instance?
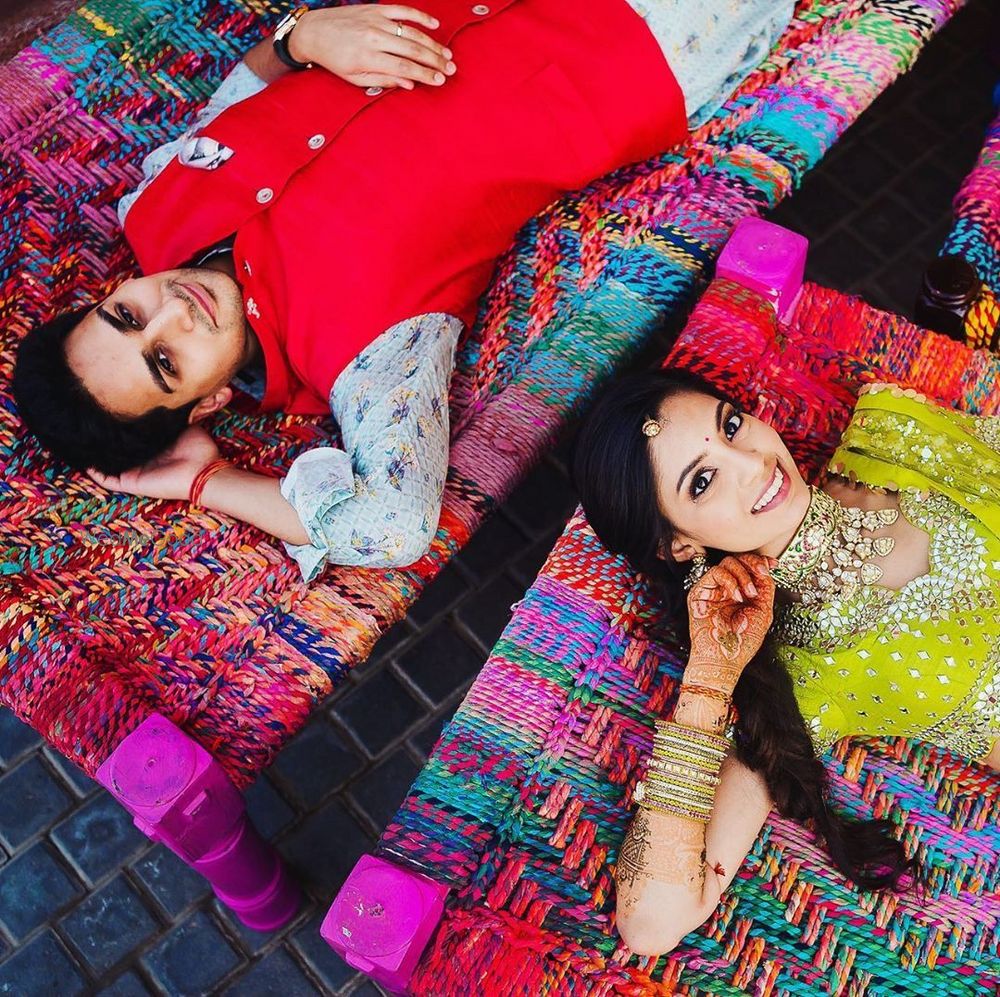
(354, 210)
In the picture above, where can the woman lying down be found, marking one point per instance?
(869, 605)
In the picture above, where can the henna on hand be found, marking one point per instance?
(729, 617)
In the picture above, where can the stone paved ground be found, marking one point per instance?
(87, 905)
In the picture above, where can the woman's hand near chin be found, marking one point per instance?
(730, 609)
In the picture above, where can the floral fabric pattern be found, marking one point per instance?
(712, 46)
(377, 502)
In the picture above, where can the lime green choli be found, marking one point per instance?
(923, 661)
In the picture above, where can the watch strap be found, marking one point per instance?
(281, 35)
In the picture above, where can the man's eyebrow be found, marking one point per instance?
(157, 376)
(154, 371)
(113, 320)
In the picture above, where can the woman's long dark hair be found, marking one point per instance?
(614, 476)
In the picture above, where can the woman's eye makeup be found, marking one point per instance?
(732, 424)
(700, 482)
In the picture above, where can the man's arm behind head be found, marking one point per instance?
(69, 422)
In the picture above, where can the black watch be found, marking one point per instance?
(281, 35)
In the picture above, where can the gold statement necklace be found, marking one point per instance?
(831, 554)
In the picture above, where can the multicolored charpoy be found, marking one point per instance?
(526, 797)
(975, 233)
(116, 607)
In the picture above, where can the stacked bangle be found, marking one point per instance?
(201, 479)
(683, 772)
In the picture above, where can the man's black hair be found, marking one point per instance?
(68, 420)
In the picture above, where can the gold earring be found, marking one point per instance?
(699, 565)
(650, 428)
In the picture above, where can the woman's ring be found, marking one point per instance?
(399, 30)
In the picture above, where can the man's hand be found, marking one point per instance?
(170, 475)
(370, 45)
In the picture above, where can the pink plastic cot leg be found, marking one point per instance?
(381, 920)
(179, 795)
(767, 258)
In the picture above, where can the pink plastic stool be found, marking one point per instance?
(768, 259)
(179, 795)
(381, 920)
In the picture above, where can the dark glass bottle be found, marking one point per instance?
(950, 287)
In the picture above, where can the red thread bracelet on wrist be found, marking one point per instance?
(201, 479)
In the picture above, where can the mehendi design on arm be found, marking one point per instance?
(663, 848)
(695, 710)
(721, 677)
(631, 862)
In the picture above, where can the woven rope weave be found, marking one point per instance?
(975, 233)
(522, 804)
(114, 607)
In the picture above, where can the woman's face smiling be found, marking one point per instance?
(724, 480)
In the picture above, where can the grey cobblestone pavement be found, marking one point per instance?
(88, 905)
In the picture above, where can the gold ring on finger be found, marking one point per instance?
(399, 30)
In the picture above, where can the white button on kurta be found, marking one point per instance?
(373, 91)
(316, 141)
(264, 195)
(480, 10)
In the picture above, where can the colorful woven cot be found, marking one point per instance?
(115, 607)
(975, 235)
(520, 807)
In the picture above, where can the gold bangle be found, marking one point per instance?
(683, 771)
(655, 788)
(692, 737)
(664, 772)
(703, 794)
(694, 733)
(680, 810)
(647, 796)
(689, 756)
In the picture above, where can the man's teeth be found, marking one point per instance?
(779, 480)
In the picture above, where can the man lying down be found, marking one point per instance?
(329, 221)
